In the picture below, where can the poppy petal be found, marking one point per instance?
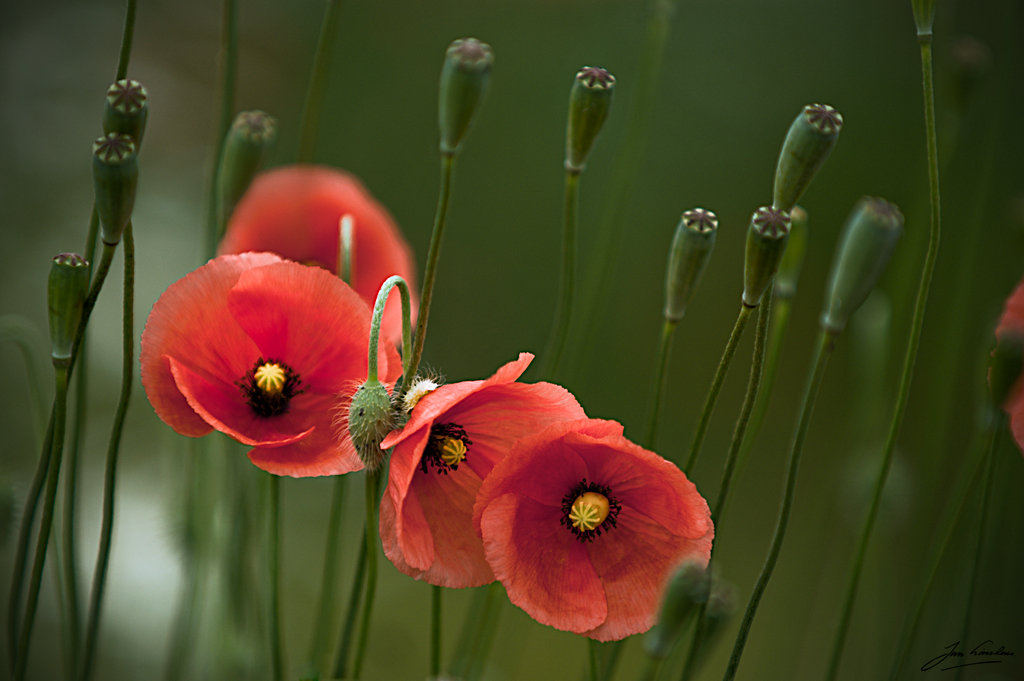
(324, 452)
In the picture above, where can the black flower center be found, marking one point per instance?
(589, 509)
(269, 386)
(447, 447)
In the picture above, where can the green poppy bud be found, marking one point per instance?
(687, 588)
(691, 248)
(464, 78)
(766, 242)
(721, 608)
(924, 16)
(808, 143)
(1006, 365)
(115, 173)
(589, 101)
(246, 148)
(125, 110)
(66, 292)
(370, 419)
(793, 258)
(867, 242)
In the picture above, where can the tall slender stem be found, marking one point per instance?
(372, 479)
(274, 565)
(593, 666)
(435, 631)
(126, 41)
(325, 611)
(228, 73)
(908, 364)
(660, 382)
(822, 351)
(315, 94)
(350, 613)
(563, 311)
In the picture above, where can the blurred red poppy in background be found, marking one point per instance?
(1013, 320)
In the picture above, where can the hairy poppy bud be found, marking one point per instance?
(370, 419)
(589, 101)
(766, 242)
(687, 588)
(691, 248)
(115, 174)
(66, 291)
(464, 78)
(808, 143)
(867, 242)
(125, 110)
(793, 258)
(246, 149)
(1006, 365)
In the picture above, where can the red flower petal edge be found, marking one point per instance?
(1013, 318)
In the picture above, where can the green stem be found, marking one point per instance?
(126, 41)
(274, 564)
(315, 95)
(470, 633)
(430, 272)
(826, 341)
(435, 631)
(46, 522)
(593, 666)
(113, 448)
(228, 73)
(660, 382)
(563, 311)
(350, 614)
(908, 364)
(716, 386)
(325, 612)
(652, 667)
(488, 628)
(372, 479)
(378, 316)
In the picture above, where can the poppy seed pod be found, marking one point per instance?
(66, 291)
(687, 588)
(589, 101)
(766, 242)
(1006, 365)
(464, 78)
(924, 16)
(370, 419)
(691, 248)
(808, 143)
(125, 110)
(115, 174)
(246, 148)
(793, 258)
(867, 242)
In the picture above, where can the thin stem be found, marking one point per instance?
(826, 341)
(470, 633)
(488, 628)
(378, 316)
(435, 631)
(113, 448)
(430, 272)
(660, 382)
(563, 311)
(274, 565)
(716, 386)
(652, 667)
(26, 336)
(372, 479)
(593, 666)
(126, 41)
(228, 73)
(908, 363)
(350, 614)
(60, 403)
(324, 619)
(315, 95)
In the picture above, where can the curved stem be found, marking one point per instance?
(563, 311)
(350, 613)
(228, 73)
(378, 315)
(435, 631)
(325, 611)
(826, 342)
(274, 565)
(659, 383)
(372, 479)
(716, 386)
(908, 363)
(315, 95)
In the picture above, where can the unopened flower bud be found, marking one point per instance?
(793, 258)
(766, 242)
(115, 173)
(867, 242)
(464, 78)
(691, 248)
(687, 588)
(125, 110)
(246, 148)
(721, 608)
(808, 143)
(66, 291)
(589, 101)
(370, 419)
(924, 16)
(1006, 366)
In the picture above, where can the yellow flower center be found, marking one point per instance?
(453, 451)
(588, 511)
(270, 378)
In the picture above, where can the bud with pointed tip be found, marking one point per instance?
(808, 143)
(66, 291)
(691, 248)
(246, 148)
(867, 243)
(464, 78)
(1006, 366)
(687, 589)
(115, 174)
(589, 101)
(766, 242)
(370, 419)
(125, 110)
(793, 258)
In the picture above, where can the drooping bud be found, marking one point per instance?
(1006, 366)
(687, 589)
(115, 174)
(924, 16)
(464, 78)
(66, 291)
(867, 242)
(246, 148)
(766, 242)
(691, 248)
(370, 419)
(808, 143)
(125, 110)
(793, 258)
(589, 101)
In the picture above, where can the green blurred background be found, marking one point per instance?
(735, 74)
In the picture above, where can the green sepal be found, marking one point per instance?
(246, 149)
(370, 419)
(766, 243)
(686, 590)
(464, 78)
(126, 109)
(692, 244)
(1006, 366)
(66, 291)
(864, 249)
(808, 143)
(589, 101)
(115, 174)
(793, 258)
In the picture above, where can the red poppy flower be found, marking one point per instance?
(263, 350)
(295, 211)
(583, 528)
(1013, 319)
(454, 437)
